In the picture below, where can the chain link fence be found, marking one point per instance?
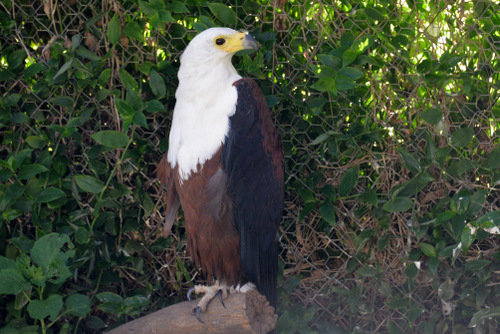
(373, 158)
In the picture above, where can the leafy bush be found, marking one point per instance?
(389, 113)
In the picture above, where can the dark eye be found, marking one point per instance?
(220, 41)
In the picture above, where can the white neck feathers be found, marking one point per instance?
(206, 98)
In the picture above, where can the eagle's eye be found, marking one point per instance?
(220, 41)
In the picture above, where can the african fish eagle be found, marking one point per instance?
(224, 166)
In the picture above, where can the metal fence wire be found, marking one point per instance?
(388, 109)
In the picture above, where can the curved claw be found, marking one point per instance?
(190, 291)
(220, 298)
(197, 314)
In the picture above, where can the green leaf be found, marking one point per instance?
(157, 84)
(411, 271)
(16, 59)
(398, 204)
(330, 61)
(105, 297)
(475, 265)
(348, 57)
(47, 249)
(63, 68)
(462, 137)
(124, 109)
(477, 202)
(369, 196)
(63, 101)
(78, 305)
(433, 264)
(431, 116)
(345, 83)
(154, 106)
(29, 171)
(49, 195)
(392, 328)
(127, 80)
(89, 183)
(147, 9)
(114, 30)
(134, 30)
(348, 181)
(325, 85)
(165, 16)
(351, 72)
(178, 7)
(366, 271)
(484, 314)
(374, 14)
(466, 238)
(410, 161)
(111, 138)
(493, 160)
(222, 12)
(428, 249)
(327, 211)
(12, 282)
(87, 54)
(40, 309)
(492, 217)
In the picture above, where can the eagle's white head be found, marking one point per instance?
(206, 97)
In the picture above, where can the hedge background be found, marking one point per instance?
(389, 112)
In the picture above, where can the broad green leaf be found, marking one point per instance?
(16, 59)
(114, 30)
(374, 14)
(165, 16)
(398, 204)
(348, 181)
(111, 138)
(325, 85)
(475, 265)
(431, 116)
(329, 191)
(147, 9)
(493, 160)
(105, 297)
(40, 309)
(446, 290)
(87, 54)
(134, 30)
(492, 217)
(140, 119)
(466, 238)
(370, 196)
(477, 202)
(178, 7)
(29, 171)
(462, 137)
(127, 80)
(89, 183)
(366, 271)
(47, 249)
(351, 72)
(428, 249)
(12, 192)
(410, 161)
(488, 313)
(12, 282)
(222, 12)
(6, 263)
(78, 305)
(344, 83)
(157, 84)
(154, 106)
(392, 328)
(327, 212)
(63, 101)
(124, 109)
(63, 68)
(433, 264)
(411, 271)
(49, 195)
(348, 57)
(330, 61)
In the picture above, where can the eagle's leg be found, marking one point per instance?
(209, 293)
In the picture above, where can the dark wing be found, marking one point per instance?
(252, 158)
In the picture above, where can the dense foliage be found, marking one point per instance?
(390, 116)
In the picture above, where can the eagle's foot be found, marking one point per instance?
(209, 294)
